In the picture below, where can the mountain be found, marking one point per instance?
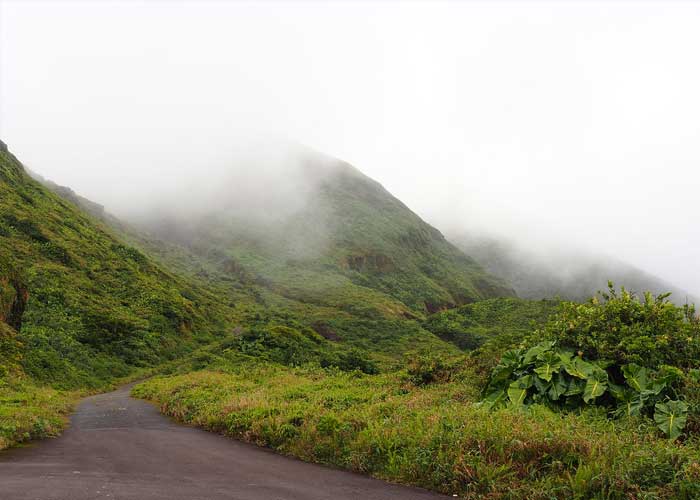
(567, 274)
(89, 297)
(321, 232)
(84, 305)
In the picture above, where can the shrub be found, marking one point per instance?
(616, 353)
(624, 329)
(355, 359)
(423, 370)
(10, 350)
(56, 253)
(557, 378)
(26, 226)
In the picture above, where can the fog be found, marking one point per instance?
(552, 123)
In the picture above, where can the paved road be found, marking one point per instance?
(121, 448)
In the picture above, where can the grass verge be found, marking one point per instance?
(28, 411)
(431, 436)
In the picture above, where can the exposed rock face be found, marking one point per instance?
(369, 262)
(325, 331)
(433, 307)
(13, 301)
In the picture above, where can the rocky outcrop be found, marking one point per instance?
(13, 301)
(325, 331)
(373, 262)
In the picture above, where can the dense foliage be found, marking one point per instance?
(501, 322)
(10, 351)
(622, 328)
(295, 345)
(432, 435)
(350, 246)
(558, 378)
(620, 352)
(84, 306)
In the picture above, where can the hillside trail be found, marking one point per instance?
(118, 447)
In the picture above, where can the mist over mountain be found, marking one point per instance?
(314, 228)
(558, 270)
(361, 234)
(279, 213)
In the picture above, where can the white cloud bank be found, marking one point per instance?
(545, 121)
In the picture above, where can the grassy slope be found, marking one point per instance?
(91, 307)
(275, 288)
(432, 436)
(29, 411)
(95, 307)
(351, 246)
(497, 322)
(79, 308)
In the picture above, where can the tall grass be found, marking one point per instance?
(30, 412)
(432, 436)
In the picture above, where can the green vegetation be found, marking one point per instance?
(557, 378)
(500, 323)
(85, 307)
(28, 411)
(621, 328)
(624, 354)
(350, 246)
(431, 435)
(555, 423)
(350, 334)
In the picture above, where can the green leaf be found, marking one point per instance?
(512, 358)
(550, 364)
(619, 392)
(631, 401)
(541, 386)
(517, 392)
(565, 356)
(524, 382)
(517, 395)
(494, 400)
(510, 362)
(596, 386)
(637, 377)
(575, 387)
(558, 387)
(536, 351)
(671, 417)
(578, 368)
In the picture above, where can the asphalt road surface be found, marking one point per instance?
(121, 448)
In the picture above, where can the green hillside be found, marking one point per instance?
(85, 306)
(498, 322)
(345, 243)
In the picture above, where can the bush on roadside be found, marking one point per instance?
(614, 353)
(424, 370)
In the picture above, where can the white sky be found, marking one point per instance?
(552, 120)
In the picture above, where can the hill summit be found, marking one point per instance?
(316, 229)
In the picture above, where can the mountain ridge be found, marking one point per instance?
(346, 228)
(566, 274)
